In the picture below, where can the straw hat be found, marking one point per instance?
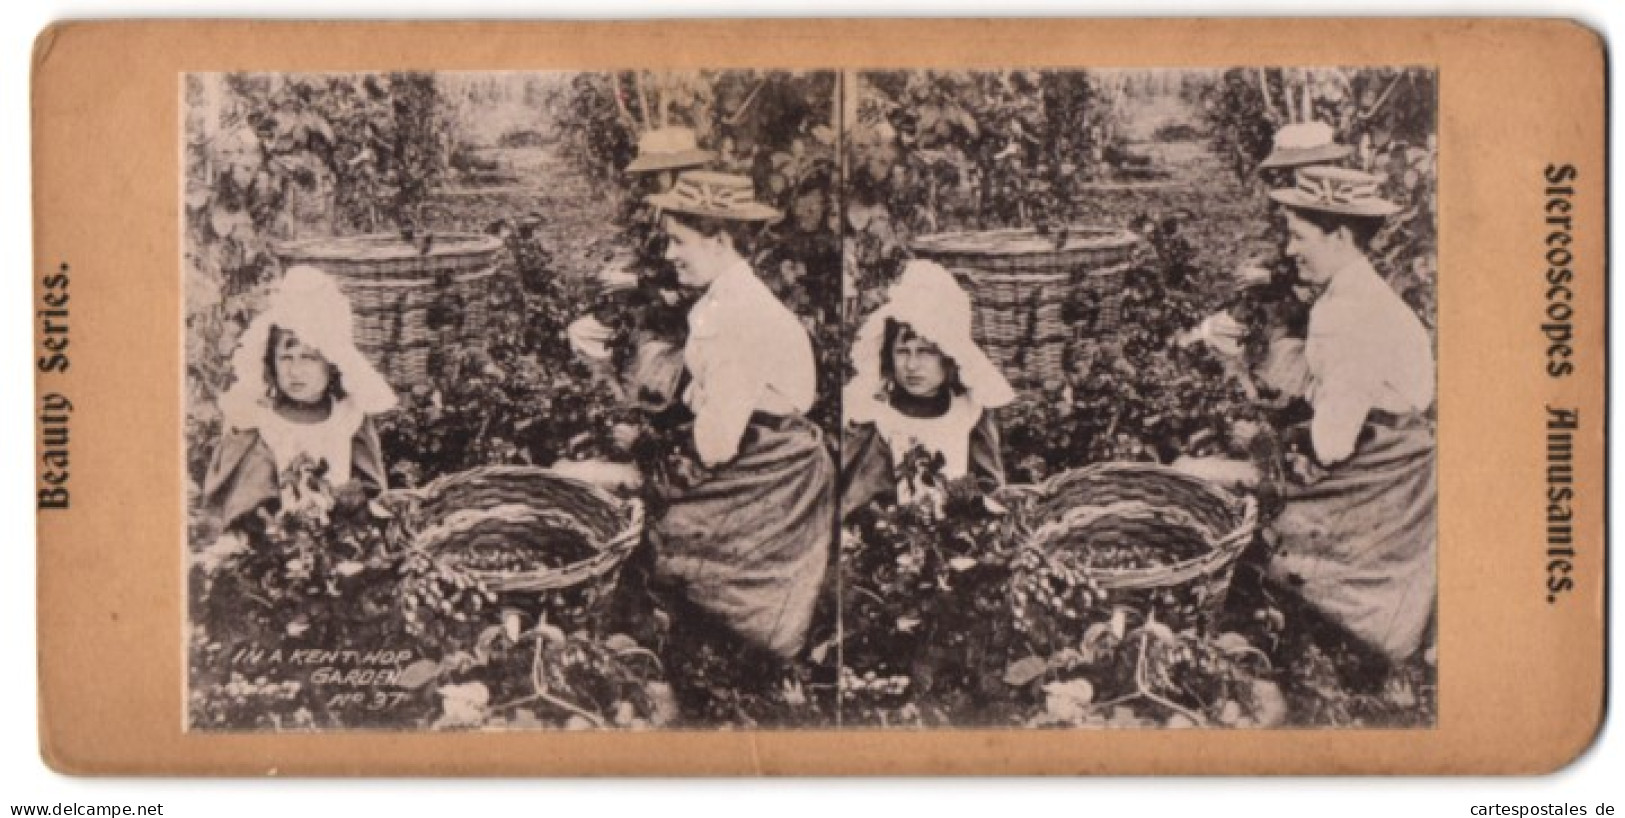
(308, 303)
(715, 195)
(928, 299)
(1304, 143)
(668, 148)
(1336, 190)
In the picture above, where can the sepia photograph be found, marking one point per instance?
(1139, 422)
(767, 399)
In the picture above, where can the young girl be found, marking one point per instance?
(921, 382)
(302, 400)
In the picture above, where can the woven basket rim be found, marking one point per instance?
(1223, 550)
(384, 247)
(1021, 241)
(609, 554)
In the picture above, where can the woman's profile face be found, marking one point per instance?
(1314, 249)
(302, 373)
(696, 257)
(920, 367)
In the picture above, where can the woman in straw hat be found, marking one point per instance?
(304, 396)
(1356, 538)
(744, 538)
(1270, 289)
(921, 383)
(1304, 144)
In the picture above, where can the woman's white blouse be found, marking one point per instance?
(1366, 350)
(746, 353)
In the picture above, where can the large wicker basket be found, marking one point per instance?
(527, 508)
(1146, 506)
(1022, 284)
(408, 301)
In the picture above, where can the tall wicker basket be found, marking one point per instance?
(407, 301)
(1022, 284)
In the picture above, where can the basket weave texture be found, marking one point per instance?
(528, 508)
(1022, 284)
(407, 302)
(1200, 528)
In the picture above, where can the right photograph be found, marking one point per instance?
(1138, 406)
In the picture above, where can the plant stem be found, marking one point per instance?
(1308, 97)
(596, 720)
(871, 594)
(1196, 718)
(739, 115)
(1377, 106)
(620, 101)
(536, 680)
(1264, 88)
(643, 100)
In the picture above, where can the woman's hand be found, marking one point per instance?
(625, 436)
(1220, 332)
(1253, 274)
(619, 274)
(619, 478)
(589, 340)
(1220, 470)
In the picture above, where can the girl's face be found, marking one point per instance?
(302, 374)
(920, 367)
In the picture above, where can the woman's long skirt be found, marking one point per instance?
(1360, 545)
(749, 545)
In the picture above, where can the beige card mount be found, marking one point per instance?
(820, 397)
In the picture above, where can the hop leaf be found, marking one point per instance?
(465, 705)
(418, 674)
(620, 643)
(1024, 671)
(1269, 705)
(1068, 701)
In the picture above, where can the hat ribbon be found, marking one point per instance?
(707, 197)
(1329, 191)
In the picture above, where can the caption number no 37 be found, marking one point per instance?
(374, 700)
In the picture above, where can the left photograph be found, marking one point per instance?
(511, 399)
